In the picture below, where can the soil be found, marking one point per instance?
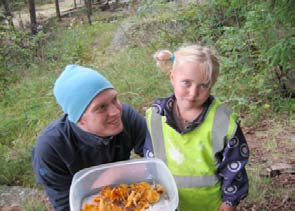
(13, 197)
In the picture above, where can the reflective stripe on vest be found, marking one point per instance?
(220, 126)
(200, 181)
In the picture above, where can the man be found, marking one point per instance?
(94, 130)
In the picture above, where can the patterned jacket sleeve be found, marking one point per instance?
(232, 169)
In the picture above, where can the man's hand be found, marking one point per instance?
(225, 207)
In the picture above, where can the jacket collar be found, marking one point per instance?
(164, 107)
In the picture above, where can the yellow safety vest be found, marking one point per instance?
(191, 156)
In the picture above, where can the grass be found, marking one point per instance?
(37, 202)
(264, 191)
(258, 185)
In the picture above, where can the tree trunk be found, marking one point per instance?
(88, 10)
(20, 21)
(33, 16)
(57, 10)
(75, 4)
(89, 6)
(7, 13)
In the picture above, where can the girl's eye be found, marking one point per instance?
(204, 86)
(186, 82)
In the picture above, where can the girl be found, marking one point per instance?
(197, 136)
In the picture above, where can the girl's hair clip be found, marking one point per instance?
(172, 57)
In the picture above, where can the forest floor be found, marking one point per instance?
(43, 12)
(272, 157)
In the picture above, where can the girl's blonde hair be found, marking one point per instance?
(204, 56)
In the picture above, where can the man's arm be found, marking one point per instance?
(137, 128)
(51, 173)
(58, 199)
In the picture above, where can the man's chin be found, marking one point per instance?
(116, 130)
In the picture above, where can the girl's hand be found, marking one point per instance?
(225, 207)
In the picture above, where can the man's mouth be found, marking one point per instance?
(115, 122)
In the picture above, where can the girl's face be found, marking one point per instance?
(103, 115)
(191, 87)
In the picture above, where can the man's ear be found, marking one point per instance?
(81, 121)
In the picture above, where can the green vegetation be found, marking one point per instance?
(255, 40)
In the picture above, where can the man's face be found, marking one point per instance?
(103, 115)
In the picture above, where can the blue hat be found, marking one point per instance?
(76, 87)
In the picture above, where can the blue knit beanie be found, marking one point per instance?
(76, 87)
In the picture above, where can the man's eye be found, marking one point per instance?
(102, 108)
(115, 100)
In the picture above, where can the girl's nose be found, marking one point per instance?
(194, 91)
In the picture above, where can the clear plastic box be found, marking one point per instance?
(87, 182)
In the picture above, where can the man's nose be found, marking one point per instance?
(114, 110)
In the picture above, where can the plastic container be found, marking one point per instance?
(87, 182)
